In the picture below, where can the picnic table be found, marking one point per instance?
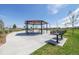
(59, 33)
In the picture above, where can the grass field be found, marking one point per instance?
(71, 46)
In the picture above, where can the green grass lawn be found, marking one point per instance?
(71, 46)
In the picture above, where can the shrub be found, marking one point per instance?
(1, 32)
(6, 31)
(10, 30)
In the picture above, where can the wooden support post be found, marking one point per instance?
(33, 27)
(46, 28)
(41, 27)
(27, 27)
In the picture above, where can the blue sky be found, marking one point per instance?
(17, 14)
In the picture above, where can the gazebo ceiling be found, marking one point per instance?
(35, 22)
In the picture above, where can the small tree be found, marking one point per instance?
(14, 26)
(73, 20)
(1, 25)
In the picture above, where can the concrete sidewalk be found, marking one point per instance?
(23, 45)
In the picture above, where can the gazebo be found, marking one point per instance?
(36, 22)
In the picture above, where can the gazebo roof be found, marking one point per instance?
(36, 22)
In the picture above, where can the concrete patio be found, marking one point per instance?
(23, 44)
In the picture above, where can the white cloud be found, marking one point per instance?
(55, 8)
(67, 21)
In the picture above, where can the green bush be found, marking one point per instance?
(1, 32)
(10, 30)
(6, 31)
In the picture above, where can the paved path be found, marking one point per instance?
(23, 44)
